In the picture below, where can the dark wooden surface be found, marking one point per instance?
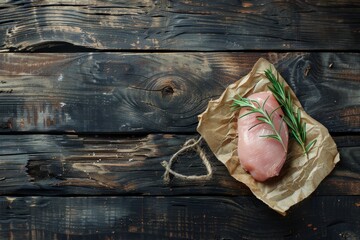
(180, 25)
(114, 165)
(191, 217)
(161, 92)
(94, 95)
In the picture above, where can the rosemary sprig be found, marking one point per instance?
(292, 117)
(265, 117)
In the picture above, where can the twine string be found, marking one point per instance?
(189, 144)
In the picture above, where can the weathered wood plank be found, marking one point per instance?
(99, 165)
(194, 217)
(163, 92)
(180, 25)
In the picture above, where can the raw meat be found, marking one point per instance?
(262, 157)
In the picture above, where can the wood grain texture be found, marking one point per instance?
(180, 25)
(161, 92)
(109, 89)
(44, 218)
(113, 165)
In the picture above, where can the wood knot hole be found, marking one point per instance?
(166, 91)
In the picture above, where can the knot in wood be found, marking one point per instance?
(166, 91)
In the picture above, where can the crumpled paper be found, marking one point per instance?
(300, 174)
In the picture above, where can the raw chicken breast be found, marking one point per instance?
(262, 157)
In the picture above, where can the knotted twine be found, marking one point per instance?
(188, 145)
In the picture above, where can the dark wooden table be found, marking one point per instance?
(94, 95)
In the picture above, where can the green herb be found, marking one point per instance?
(292, 117)
(264, 118)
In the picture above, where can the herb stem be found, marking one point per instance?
(255, 107)
(292, 117)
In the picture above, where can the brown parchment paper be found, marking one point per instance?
(299, 176)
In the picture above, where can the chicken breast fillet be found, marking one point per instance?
(262, 157)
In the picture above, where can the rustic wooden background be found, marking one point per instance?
(95, 94)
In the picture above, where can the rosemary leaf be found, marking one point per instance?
(310, 145)
(245, 114)
(273, 136)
